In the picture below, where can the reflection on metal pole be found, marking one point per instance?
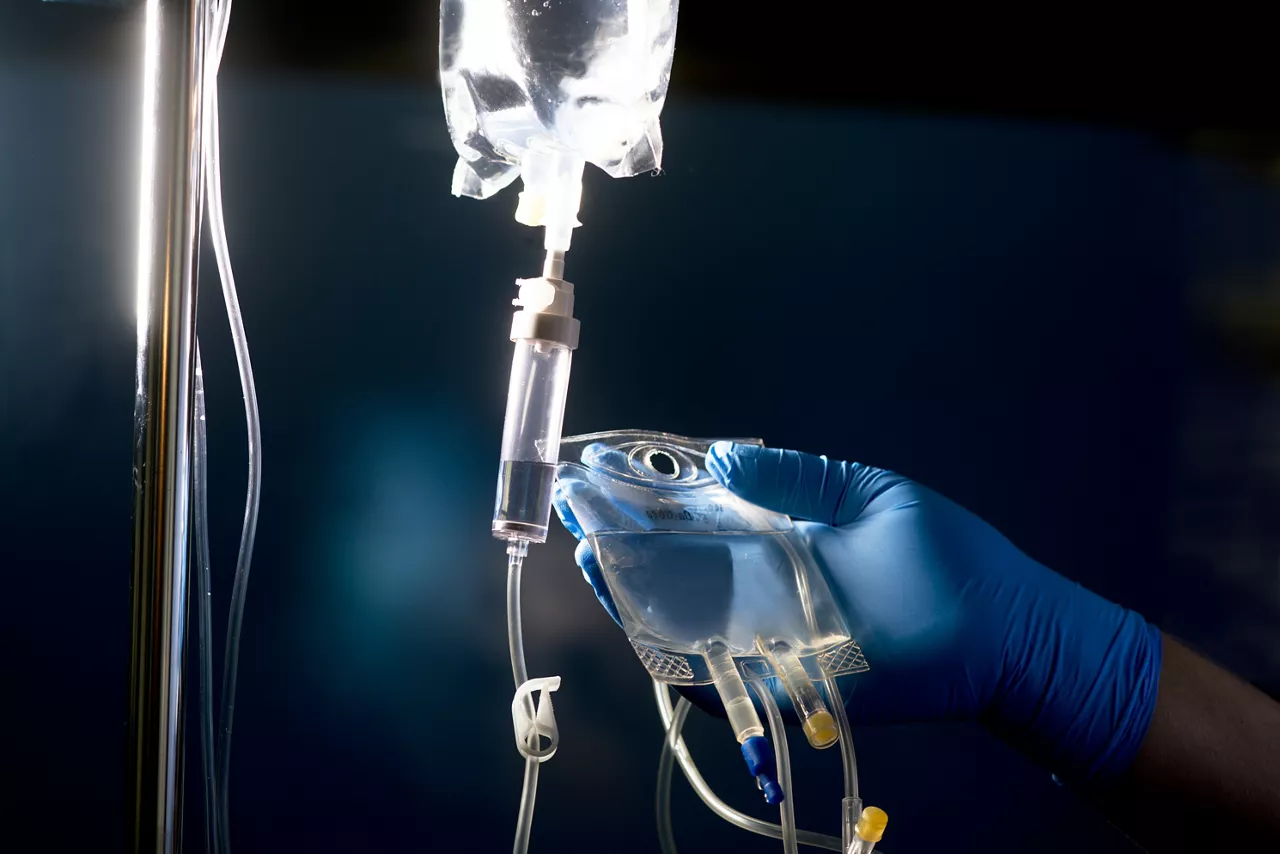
(166, 289)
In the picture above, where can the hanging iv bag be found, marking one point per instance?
(693, 567)
(539, 87)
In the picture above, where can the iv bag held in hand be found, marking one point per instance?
(693, 568)
(584, 78)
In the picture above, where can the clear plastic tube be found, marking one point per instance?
(220, 778)
(536, 397)
(204, 587)
(516, 552)
(733, 693)
(778, 730)
(818, 724)
(851, 807)
(216, 28)
(848, 754)
(704, 791)
(528, 794)
(666, 764)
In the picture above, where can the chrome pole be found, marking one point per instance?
(168, 253)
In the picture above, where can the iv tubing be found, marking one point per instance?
(516, 551)
(851, 806)
(666, 765)
(847, 754)
(778, 730)
(200, 541)
(217, 770)
(709, 797)
(846, 736)
(834, 699)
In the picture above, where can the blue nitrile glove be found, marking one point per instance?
(956, 623)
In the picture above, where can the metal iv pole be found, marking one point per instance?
(168, 257)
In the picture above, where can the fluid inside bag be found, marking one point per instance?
(677, 591)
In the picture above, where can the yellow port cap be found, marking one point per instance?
(871, 824)
(820, 729)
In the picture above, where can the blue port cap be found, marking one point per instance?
(764, 767)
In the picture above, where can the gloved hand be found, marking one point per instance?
(956, 623)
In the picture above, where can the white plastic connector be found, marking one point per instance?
(552, 195)
(733, 693)
(533, 726)
(535, 294)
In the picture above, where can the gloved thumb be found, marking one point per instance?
(804, 486)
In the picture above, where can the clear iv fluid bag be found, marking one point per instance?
(584, 77)
(689, 564)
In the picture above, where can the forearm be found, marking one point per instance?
(1207, 776)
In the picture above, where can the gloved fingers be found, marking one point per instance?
(604, 456)
(801, 485)
(583, 556)
(616, 515)
(586, 559)
(561, 504)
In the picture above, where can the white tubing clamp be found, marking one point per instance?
(532, 726)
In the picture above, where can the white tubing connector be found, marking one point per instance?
(552, 195)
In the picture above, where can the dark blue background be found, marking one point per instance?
(1005, 312)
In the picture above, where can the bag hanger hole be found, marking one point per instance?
(662, 463)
